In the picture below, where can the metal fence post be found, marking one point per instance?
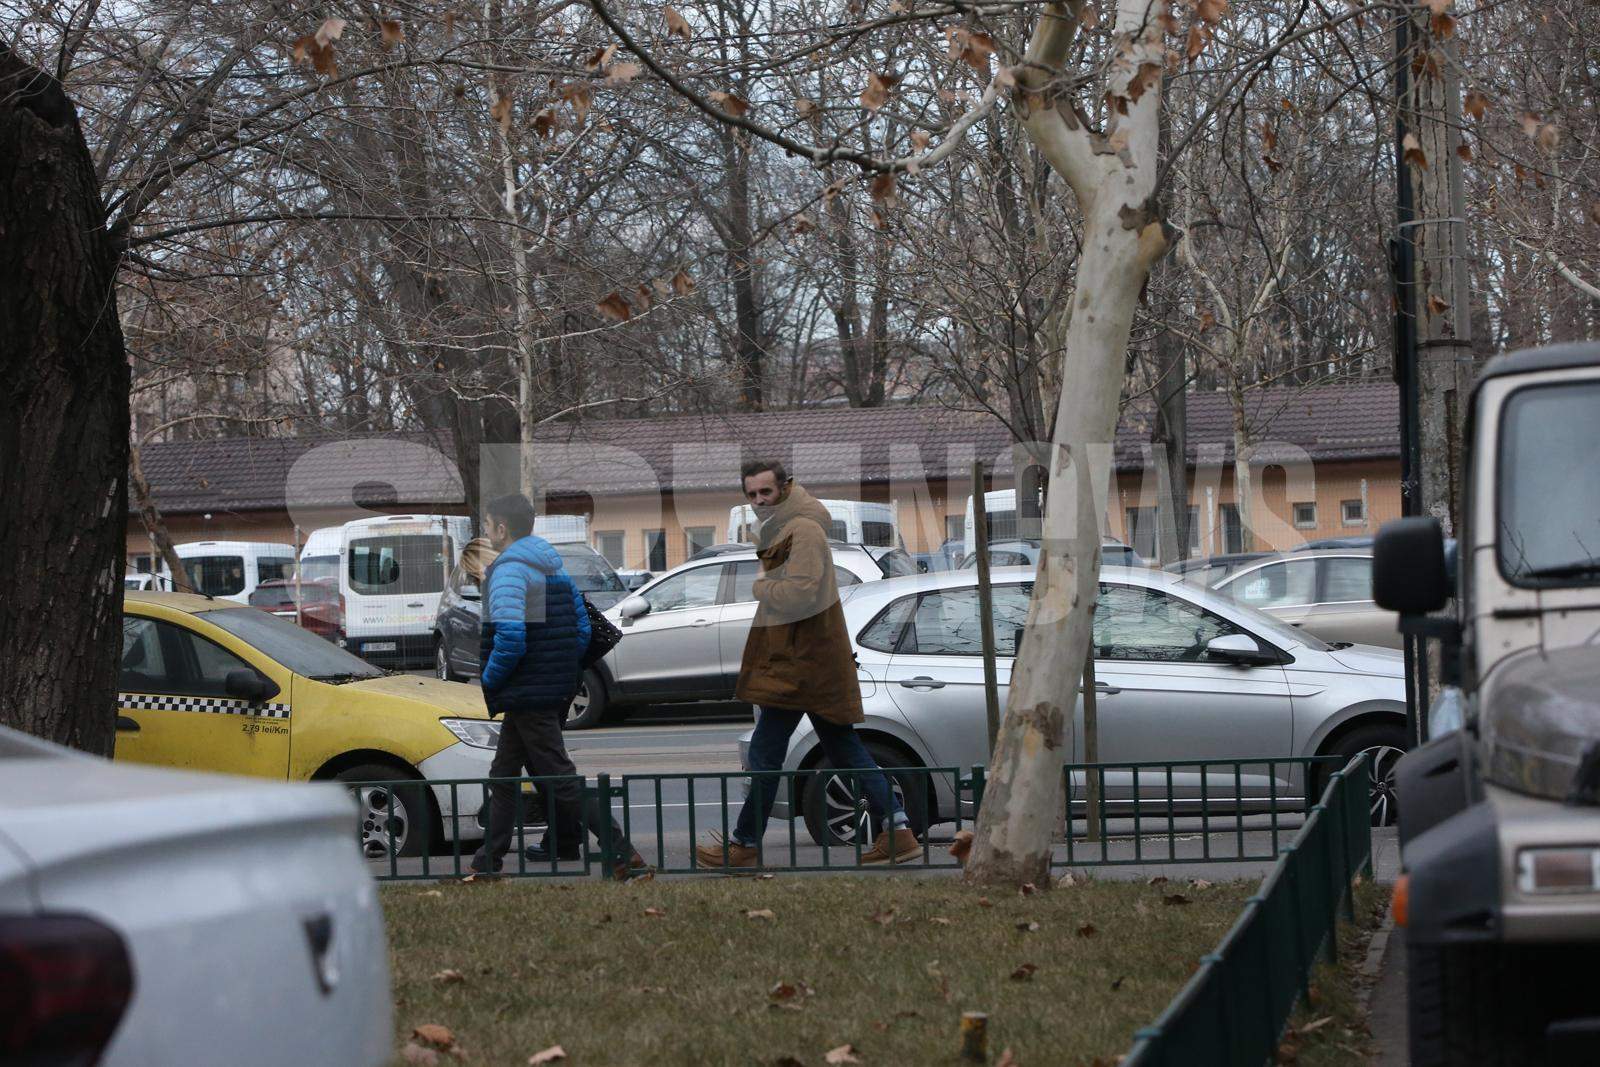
(978, 772)
(602, 786)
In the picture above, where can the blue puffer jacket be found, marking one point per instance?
(535, 630)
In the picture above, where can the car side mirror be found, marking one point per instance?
(246, 684)
(1241, 650)
(633, 607)
(1409, 574)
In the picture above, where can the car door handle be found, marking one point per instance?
(126, 725)
(922, 681)
(1102, 687)
(418, 604)
(701, 622)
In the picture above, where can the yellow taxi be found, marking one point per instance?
(217, 686)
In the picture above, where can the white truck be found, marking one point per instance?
(857, 522)
(231, 570)
(1500, 819)
(395, 568)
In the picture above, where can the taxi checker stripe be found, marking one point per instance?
(209, 705)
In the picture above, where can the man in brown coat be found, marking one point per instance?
(798, 662)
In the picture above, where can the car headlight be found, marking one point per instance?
(479, 733)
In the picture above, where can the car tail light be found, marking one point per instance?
(65, 981)
(1558, 870)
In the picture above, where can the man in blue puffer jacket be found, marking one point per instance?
(535, 631)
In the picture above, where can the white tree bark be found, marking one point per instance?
(1114, 177)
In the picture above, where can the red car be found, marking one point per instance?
(321, 606)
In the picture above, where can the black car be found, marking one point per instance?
(457, 626)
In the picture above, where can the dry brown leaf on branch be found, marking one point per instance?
(1443, 26)
(971, 47)
(390, 33)
(1437, 305)
(1211, 12)
(761, 913)
(320, 56)
(1411, 151)
(500, 111)
(599, 57)
(842, 1054)
(449, 976)
(802, 226)
(546, 122)
(1464, 151)
(549, 1055)
(330, 30)
(1199, 35)
(883, 190)
(1475, 104)
(733, 105)
(682, 284)
(876, 94)
(1438, 7)
(580, 96)
(920, 139)
(804, 108)
(1168, 21)
(449, 23)
(642, 294)
(1549, 137)
(1024, 972)
(1089, 17)
(961, 847)
(1269, 137)
(677, 24)
(622, 73)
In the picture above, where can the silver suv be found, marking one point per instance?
(683, 633)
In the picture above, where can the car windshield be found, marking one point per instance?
(591, 573)
(299, 650)
(215, 575)
(1550, 496)
(319, 567)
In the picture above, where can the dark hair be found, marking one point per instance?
(761, 466)
(514, 510)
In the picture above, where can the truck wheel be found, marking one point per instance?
(1384, 746)
(1488, 1005)
(827, 802)
(588, 708)
(400, 818)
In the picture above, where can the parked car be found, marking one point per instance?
(321, 606)
(129, 895)
(230, 569)
(216, 686)
(1181, 673)
(1207, 571)
(394, 570)
(856, 522)
(156, 917)
(1113, 553)
(459, 624)
(635, 579)
(684, 633)
(141, 581)
(1339, 542)
(894, 562)
(1329, 593)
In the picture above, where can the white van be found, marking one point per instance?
(857, 522)
(562, 529)
(320, 555)
(395, 568)
(1001, 508)
(231, 570)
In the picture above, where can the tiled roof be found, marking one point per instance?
(821, 446)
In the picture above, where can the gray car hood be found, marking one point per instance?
(1370, 659)
(1545, 713)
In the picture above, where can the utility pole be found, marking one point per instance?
(1433, 322)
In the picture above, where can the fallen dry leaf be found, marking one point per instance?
(1007, 1059)
(939, 920)
(883, 918)
(1174, 898)
(1117, 984)
(961, 846)
(985, 902)
(782, 991)
(1199, 883)
(449, 976)
(655, 913)
(435, 1035)
(1087, 930)
(842, 1054)
(759, 877)
(761, 913)
(415, 1053)
(1028, 889)
(1066, 881)
(1159, 879)
(1024, 972)
(1028, 927)
(1315, 1025)
(549, 1055)
(433, 893)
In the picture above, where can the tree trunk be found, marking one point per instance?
(154, 525)
(1123, 236)
(1243, 481)
(64, 448)
(1172, 475)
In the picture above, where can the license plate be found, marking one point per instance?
(378, 646)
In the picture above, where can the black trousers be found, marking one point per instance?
(533, 740)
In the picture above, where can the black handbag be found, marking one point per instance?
(603, 635)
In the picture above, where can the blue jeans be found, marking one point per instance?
(844, 749)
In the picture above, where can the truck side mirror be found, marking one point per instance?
(1408, 567)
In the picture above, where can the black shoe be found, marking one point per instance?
(540, 853)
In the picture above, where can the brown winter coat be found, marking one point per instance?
(798, 654)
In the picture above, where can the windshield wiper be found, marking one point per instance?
(340, 679)
(1581, 569)
(1337, 645)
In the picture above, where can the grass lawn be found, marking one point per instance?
(1332, 1028)
(678, 972)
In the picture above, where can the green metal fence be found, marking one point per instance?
(1234, 1008)
(1199, 811)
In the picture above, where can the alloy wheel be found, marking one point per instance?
(1381, 761)
(441, 661)
(384, 821)
(847, 816)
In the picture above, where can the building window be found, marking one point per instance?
(1232, 529)
(139, 564)
(1305, 516)
(1354, 512)
(1194, 530)
(609, 543)
(697, 537)
(1142, 531)
(955, 528)
(655, 550)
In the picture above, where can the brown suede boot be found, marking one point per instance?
(711, 854)
(901, 847)
(636, 867)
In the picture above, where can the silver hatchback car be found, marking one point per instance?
(1181, 673)
(1326, 592)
